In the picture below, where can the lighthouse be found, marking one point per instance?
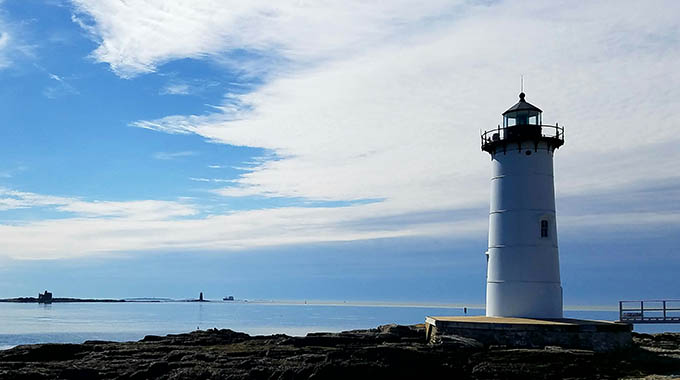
(523, 288)
(523, 270)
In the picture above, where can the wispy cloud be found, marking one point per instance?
(136, 36)
(213, 180)
(109, 227)
(141, 210)
(13, 48)
(10, 173)
(4, 42)
(62, 87)
(340, 128)
(176, 89)
(384, 101)
(173, 155)
(13, 199)
(188, 87)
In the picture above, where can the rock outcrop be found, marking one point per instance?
(391, 351)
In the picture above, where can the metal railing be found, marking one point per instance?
(521, 132)
(649, 311)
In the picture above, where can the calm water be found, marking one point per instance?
(77, 322)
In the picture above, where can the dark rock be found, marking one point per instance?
(158, 368)
(98, 342)
(44, 352)
(457, 342)
(174, 356)
(79, 374)
(389, 351)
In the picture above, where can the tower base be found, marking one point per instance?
(598, 336)
(524, 299)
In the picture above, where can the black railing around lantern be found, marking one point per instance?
(519, 136)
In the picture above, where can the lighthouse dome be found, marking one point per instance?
(522, 113)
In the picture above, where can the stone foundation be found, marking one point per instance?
(598, 336)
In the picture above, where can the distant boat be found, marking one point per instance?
(228, 298)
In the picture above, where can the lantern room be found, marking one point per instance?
(522, 125)
(522, 113)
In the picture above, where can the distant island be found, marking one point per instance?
(46, 298)
(56, 300)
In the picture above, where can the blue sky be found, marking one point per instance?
(326, 151)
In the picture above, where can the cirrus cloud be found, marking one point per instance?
(138, 35)
(384, 101)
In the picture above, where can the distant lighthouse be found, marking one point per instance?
(523, 269)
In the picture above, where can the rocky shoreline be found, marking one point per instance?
(390, 351)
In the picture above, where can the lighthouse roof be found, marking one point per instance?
(522, 105)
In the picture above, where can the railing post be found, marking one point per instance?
(642, 309)
(664, 309)
(620, 310)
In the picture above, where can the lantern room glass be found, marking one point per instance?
(524, 117)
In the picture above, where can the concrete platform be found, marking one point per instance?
(598, 336)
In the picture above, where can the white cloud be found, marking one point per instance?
(110, 227)
(384, 101)
(137, 35)
(173, 155)
(4, 42)
(76, 237)
(13, 47)
(140, 210)
(61, 88)
(176, 89)
(187, 87)
(214, 180)
(12, 199)
(400, 122)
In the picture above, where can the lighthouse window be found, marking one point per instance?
(544, 228)
(509, 121)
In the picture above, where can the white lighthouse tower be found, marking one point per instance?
(523, 270)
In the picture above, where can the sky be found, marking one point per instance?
(327, 150)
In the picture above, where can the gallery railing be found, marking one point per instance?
(649, 311)
(492, 139)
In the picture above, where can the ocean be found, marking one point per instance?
(29, 323)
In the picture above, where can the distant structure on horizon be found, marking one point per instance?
(45, 297)
(523, 270)
(200, 297)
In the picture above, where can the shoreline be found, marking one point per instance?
(433, 305)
